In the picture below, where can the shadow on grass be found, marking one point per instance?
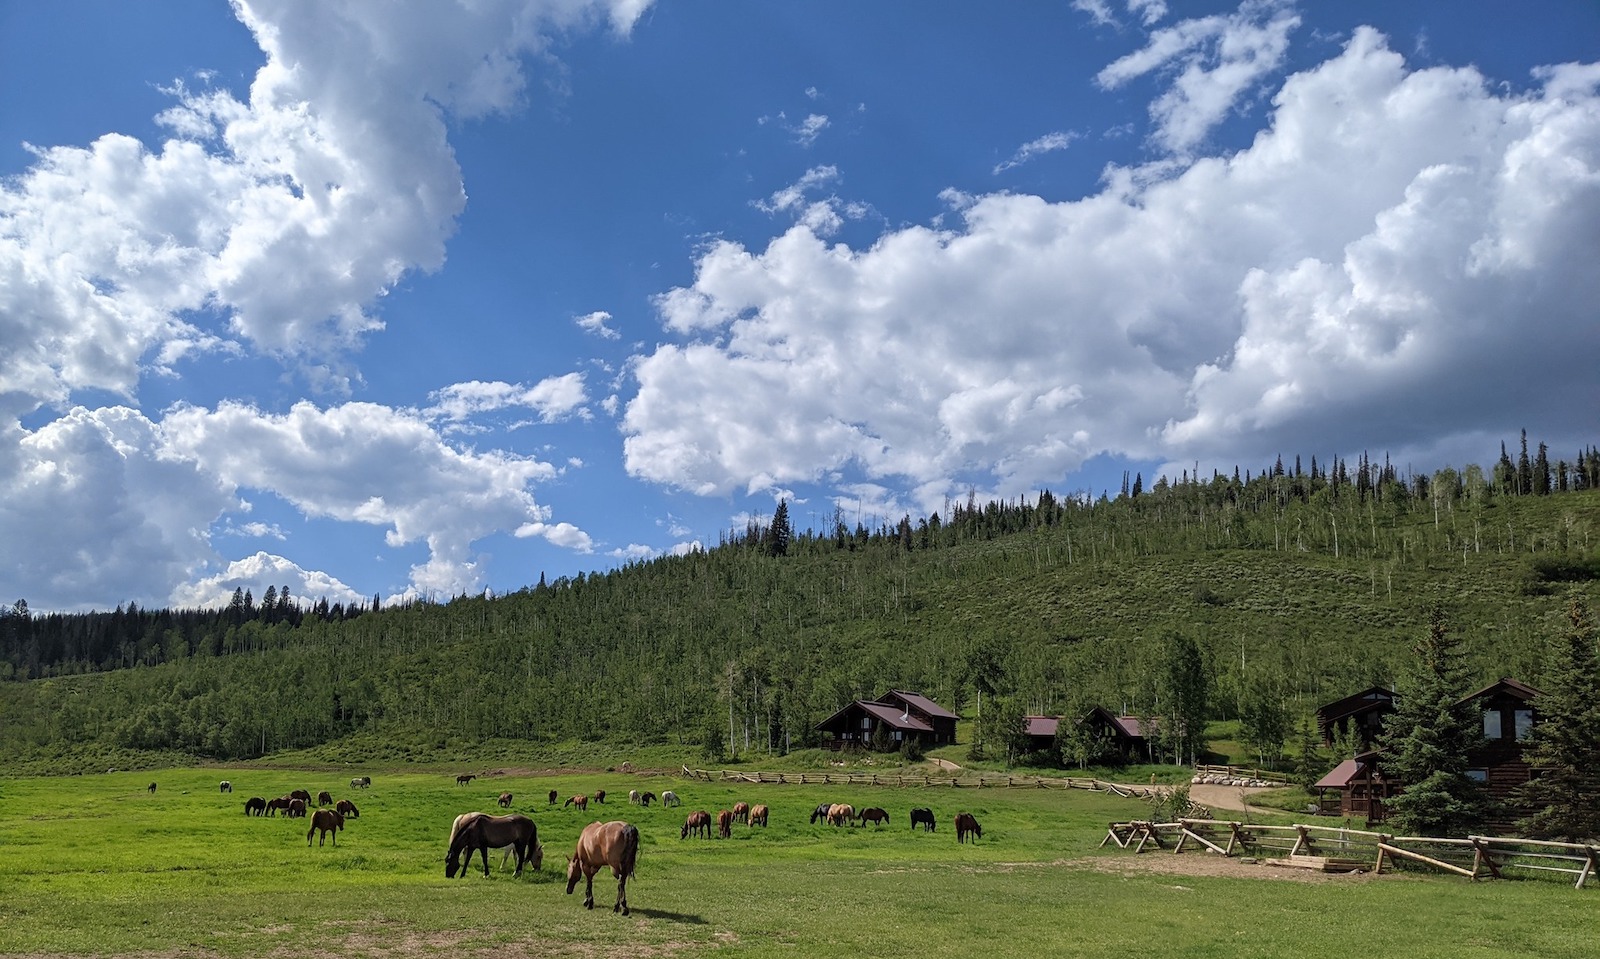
(669, 916)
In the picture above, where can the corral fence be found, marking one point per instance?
(1203, 770)
(1335, 849)
(901, 780)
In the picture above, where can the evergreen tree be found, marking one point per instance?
(1426, 740)
(1564, 749)
(779, 533)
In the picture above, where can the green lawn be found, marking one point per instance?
(95, 865)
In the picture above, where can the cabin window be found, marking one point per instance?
(866, 722)
(1478, 775)
(1524, 720)
(898, 735)
(1491, 724)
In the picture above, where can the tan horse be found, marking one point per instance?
(725, 823)
(327, 820)
(841, 813)
(741, 812)
(758, 816)
(614, 844)
(505, 800)
(582, 802)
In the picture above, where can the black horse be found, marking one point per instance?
(480, 832)
(923, 817)
(821, 812)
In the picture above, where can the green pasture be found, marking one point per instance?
(96, 865)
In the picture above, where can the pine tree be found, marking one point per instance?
(779, 533)
(1564, 748)
(1426, 740)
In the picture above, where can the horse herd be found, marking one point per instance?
(601, 845)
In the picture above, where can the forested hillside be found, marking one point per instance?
(1298, 585)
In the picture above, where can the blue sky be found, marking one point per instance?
(404, 299)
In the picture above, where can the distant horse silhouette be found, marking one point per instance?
(741, 812)
(821, 812)
(614, 844)
(924, 818)
(504, 800)
(465, 778)
(600, 796)
(255, 806)
(841, 813)
(724, 822)
(698, 823)
(670, 798)
(758, 816)
(552, 797)
(226, 787)
(327, 820)
(347, 809)
(324, 798)
(152, 789)
(297, 809)
(481, 832)
(582, 802)
(281, 802)
(873, 815)
(361, 782)
(967, 825)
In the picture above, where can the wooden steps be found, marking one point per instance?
(1321, 863)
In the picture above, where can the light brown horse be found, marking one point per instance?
(697, 822)
(327, 820)
(481, 832)
(725, 823)
(614, 844)
(347, 809)
(758, 815)
(741, 812)
(841, 813)
(582, 802)
(505, 800)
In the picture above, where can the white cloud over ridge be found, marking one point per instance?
(1390, 241)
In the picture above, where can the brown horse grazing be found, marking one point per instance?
(614, 844)
(505, 800)
(967, 825)
(300, 794)
(226, 787)
(324, 798)
(758, 816)
(724, 823)
(481, 832)
(741, 812)
(552, 797)
(840, 814)
(465, 778)
(873, 815)
(282, 802)
(582, 802)
(255, 806)
(297, 809)
(600, 796)
(698, 822)
(347, 809)
(922, 817)
(328, 821)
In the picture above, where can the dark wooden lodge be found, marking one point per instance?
(1362, 713)
(899, 715)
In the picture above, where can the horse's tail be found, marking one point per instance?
(630, 849)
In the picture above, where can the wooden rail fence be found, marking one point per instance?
(1335, 849)
(973, 781)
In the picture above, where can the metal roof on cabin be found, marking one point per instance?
(1340, 776)
(923, 703)
(1370, 698)
(1131, 726)
(1518, 690)
(892, 717)
(1043, 725)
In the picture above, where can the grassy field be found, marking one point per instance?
(97, 865)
